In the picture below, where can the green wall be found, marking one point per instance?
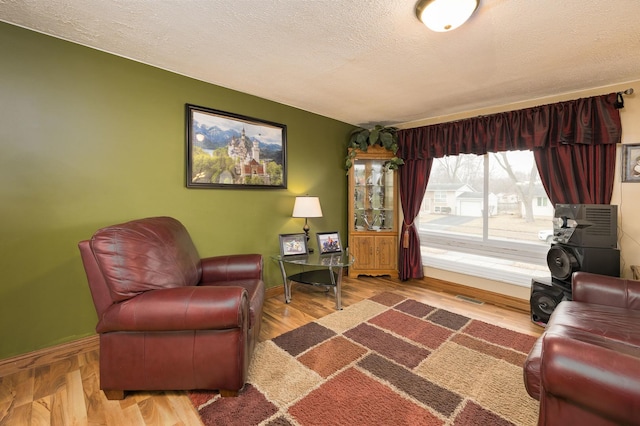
(89, 139)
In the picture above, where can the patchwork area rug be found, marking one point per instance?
(385, 360)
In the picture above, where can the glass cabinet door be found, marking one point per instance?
(373, 196)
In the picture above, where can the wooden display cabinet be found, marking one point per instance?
(373, 214)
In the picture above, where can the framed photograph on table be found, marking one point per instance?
(329, 242)
(293, 244)
(631, 163)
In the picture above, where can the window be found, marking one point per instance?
(481, 216)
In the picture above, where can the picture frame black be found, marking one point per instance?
(233, 151)
(293, 244)
(630, 169)
(329, 242)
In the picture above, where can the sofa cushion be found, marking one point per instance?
(600, 325)
(611, 322)
(587, 379)
(146, 254)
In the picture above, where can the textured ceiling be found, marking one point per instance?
(360, 61)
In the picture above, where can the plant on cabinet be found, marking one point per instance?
(361, 139)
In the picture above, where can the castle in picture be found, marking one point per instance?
(247, 162)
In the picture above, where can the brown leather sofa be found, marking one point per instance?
(585, 368)
(167, 319)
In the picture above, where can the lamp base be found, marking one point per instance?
(306, 229)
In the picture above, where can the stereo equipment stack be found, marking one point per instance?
(585, 239)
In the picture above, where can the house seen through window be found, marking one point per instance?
(487, 216)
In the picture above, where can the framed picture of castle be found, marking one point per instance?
(226, 150)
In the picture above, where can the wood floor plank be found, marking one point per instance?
(42, 382)
(184, 409)
(5, 409)
(22, 415)
(133, 416)
(40, 411)
(75, 403)
(17, 388)
(114, 414)
(158, 410)
(93, 396)
(60, 408)
(50, 378)
(54, 389)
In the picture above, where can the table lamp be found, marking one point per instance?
(307, 207)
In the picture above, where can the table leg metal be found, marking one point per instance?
(337, 286)
(286, 282)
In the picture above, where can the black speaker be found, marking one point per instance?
(563, 260)
(586, 225)
(546, 294)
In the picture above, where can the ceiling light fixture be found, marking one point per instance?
(445, 15)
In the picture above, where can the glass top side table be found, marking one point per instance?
(326, 272)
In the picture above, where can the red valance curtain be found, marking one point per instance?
(574, 145)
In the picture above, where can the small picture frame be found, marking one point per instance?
(329, 242)
(293, 244)
(631, 163)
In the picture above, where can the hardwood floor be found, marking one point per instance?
(65, 390)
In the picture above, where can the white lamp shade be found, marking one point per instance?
(445, 15)
(307, 207)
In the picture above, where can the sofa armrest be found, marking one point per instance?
(231, 268)
(590, 375)
(182, 308)
(606, 290)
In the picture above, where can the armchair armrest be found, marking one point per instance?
(231, 268)
(606, 290)
(182, 308)
(587, 373)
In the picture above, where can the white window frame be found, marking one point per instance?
(482, 248)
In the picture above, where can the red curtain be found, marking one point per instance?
(573, 144)
(414, 175)
(577, 174)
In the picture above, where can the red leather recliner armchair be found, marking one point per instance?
(167, 319)
(585, 368)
